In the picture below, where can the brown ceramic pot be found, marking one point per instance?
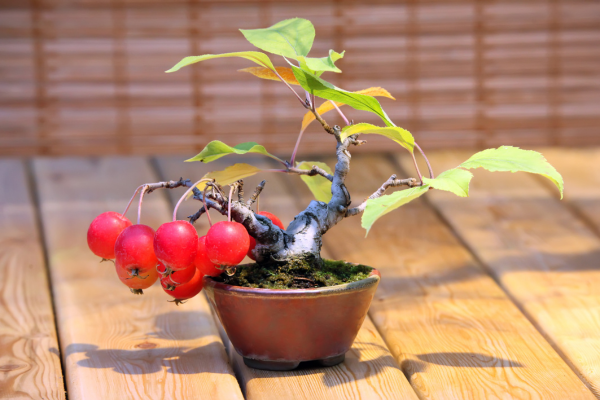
(277, 329)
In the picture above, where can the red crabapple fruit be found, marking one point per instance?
(227, 243)
(175, 244)
(134, 249)
(186, 290)
(136, 282)
(203, 263)
(103, 233)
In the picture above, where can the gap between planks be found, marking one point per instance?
(117, 345)
(541, 253)
(452, 329)
(369, 372)
(30, 364)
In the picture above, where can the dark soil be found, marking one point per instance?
(296, 275)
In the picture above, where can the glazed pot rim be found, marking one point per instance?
(372, 279)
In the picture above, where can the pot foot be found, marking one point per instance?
(331, 361)
(271, 365)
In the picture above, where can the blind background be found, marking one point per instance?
(86, 76)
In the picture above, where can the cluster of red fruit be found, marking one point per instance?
(174, 251)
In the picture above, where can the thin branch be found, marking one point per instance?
(315, 170)
(256, 193)
(194, 217)
(240, 190)
(391, 182)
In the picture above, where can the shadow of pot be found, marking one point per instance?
(277, 329)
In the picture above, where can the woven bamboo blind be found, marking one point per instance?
(86, 76)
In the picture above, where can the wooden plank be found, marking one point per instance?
(29, 355)
(543, 256)
(369, 372)
(454, 332)
(582, 180)
(117, 345)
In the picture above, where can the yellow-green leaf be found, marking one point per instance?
(254, 56)
(514, 159)
(323, 64)
(328, 106)
(229, 175)
(265, 73)
(318, 185)
(217, 149)
(289, 38)
(326, 90)
(399, 135)
(377, 208)
(454, 180)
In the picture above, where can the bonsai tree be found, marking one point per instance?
(175, 246)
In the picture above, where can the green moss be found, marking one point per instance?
(296, 274)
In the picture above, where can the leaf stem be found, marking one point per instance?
(140, 203)
(205, 206)
(431, 176)
(296, 147)
(229, 203)
(292, 89)
(185, 195)
(131, 200)
(340, 112)
(417, 168)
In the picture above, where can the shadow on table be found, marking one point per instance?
(351, 370)
(149, 358)
(468, 360)
(177, 325)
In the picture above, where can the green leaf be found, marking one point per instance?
(289, 38)
(324, 63)
(318, 185)
(321, 88)
(229, 175)
(377, 208)
(454, 180)
(513, 159)
(255, 56)
(217, 149)
(399, 135)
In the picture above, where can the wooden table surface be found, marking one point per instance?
(493, 296)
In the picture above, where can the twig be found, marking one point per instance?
(391, 182)
(315, 170)
(256, 193)
(194, 217)
(240, 190)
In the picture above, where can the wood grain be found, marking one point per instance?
(369, 372)
(582, 179)
(118, 345)
(29, 354)
(454, 332)
(544, 257)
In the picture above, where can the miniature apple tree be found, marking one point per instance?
(301, 242)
